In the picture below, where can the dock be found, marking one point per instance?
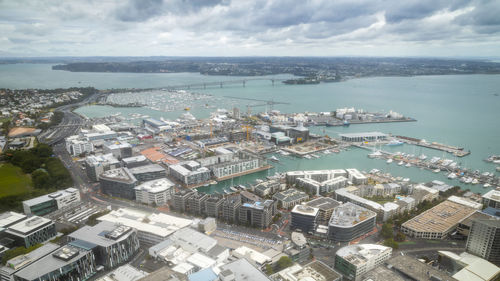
(456, 151)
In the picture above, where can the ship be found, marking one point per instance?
(394, 142)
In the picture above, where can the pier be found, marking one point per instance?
(456, 151)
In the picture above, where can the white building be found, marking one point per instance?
(156, 192)
(76, 145)
(492, 199)
(51, 202)
(353, 261)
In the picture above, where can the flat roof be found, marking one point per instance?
(361, 253)
(305, 210)
(98, 234)
(124, 273)
(416, 269)
(259, 258)
(299, 239)
(440, 218)
(119, 174)
(48, 197)
(195, 239)
(26, 226)
(22, 261)
(492, 195)
(151, 168)
(290, 194)
(349, 215)
(10, 218)
(323, 203)
(244, 271)
(155, 186)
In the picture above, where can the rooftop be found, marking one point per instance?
(244, 271)
(10, 218)
(323, 203)
(124, 273)
(151, 168)
(365, 134)
(349, 214)
(362, 253)
(492, 195)
(314, 271)
(103, 234)
(305, 210)
(299, 239)
(120, 174)
(26, 226)
(417, 270)
(44, 198)
(155, 186)
(440, 218)
(290, 195)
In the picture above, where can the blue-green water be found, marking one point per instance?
(459, 110)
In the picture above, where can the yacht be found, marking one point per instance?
(389, 161)
(400, 163)
(468, 180)
(394, 142)
(406, 179)
(422, 157)
(486, 185)
(452, 176)
(375, 154)
(475, 181)
(274, 159)
(408, 165)
(437, 170)
(307, 156)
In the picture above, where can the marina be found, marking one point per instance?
(456, 151)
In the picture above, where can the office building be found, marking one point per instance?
(258, 214)
(289, 198)
(412, 269)
(31, 231)
(156, 192)
(467, 267)
(350, 221)
(119, 150)
(304, 219)
(95, 165)
(180, 200)
(18, 263)
(325, 207)
(354, 261)
(68, 263)
(112, 244)
(351, 194)
(119, 183)
(242, 163)
(484, 240)
(124, 273)
(441, 220)
(76, 145)
(189, 173)
(135, 161)
(148, 172)
(299, 250)
(49, 203)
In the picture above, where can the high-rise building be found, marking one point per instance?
(180, 200)
(118, 182)
(355, 260)
(258, 214)
(304, 218)
(350, 221)
(231, 208)
(197, 203)
(213, 206)
(484, 239)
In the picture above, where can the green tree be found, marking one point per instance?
(391, 243)
(386, 231)
(12, 253)
(269, 269)
(284, 262)
(400, 237)
(41, 179)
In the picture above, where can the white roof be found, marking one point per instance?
(257, 257)
(29, 224)
(465, 202)
(155, 186)
(492, 195)
(305, 210)
(9, 218)
(200, 260)
(183, 268)
(361, 253)
(124, 273)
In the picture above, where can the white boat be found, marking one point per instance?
(452, 176)
(375, 154)
(406, 179)
(422, 157)
(462, 179)
(307, 156)
(408, 165)
(468, 180)
(315, 155)
(475, 181)
(400, 163)
(389, 161)
(486, 185)
(437, 170)
(435, 160)
(274, 159)
(394, 142)
(374, 171)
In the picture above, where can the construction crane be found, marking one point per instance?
(248, 129)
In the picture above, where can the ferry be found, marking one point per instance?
(389, 161)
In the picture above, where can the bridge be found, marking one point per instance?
(218, 84)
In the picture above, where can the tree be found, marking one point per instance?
(284, 262)
(269, 269)
(41, 179)
(12, 253)
(386, 231)
(391, 243)
(400, 237)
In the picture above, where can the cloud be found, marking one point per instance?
(240, 27)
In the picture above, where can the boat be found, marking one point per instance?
(422, 157)
(437, 170)
(346, 123)
(307, 156)
(374, 171)
(400, 163)
(394, 142)
(452, 176)
(389, 161)
(315, 155)
(486, 185)
(408, 165)
(274, 159)
(468, 180)
(475, 181)
(462, 179)
(375, 154)
(406, 179)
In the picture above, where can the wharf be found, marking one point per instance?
(456, 151)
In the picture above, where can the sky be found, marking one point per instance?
(436, 28)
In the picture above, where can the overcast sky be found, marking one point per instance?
(250, 28)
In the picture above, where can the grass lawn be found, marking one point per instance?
(13, 181)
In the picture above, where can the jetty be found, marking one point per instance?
(456, 151)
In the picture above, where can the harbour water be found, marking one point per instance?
(459, 110)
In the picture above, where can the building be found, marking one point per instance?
(196, 204)
(119, 150)
(290, 197)
(350, 221)
(363, 137)
(151, 228)
(189, 173)
(112, 244)
(466, 267)
(148, 172)
(266, 188)
(491, 199)
(231, 208)
(325, 206)
(412, 269)
(354, 261)
(441, 220)
(248, 197)
(156, 192)
(18, 263)
(119, 183)
(314, 271)
(318, 182)
(304, 218)
(207, 225)
(484, 239)
(31, 231)
(241, 270)
(180, 200)
(213, 206)
(95, 165)
(69, 262)
(384, 212)
(105, 135)
(258, 214)
(242, 163)
(124, 273)
(49, 203)
(356, 177)
(75, 145)
(463, 228)
(299, 250)
(135, 161)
